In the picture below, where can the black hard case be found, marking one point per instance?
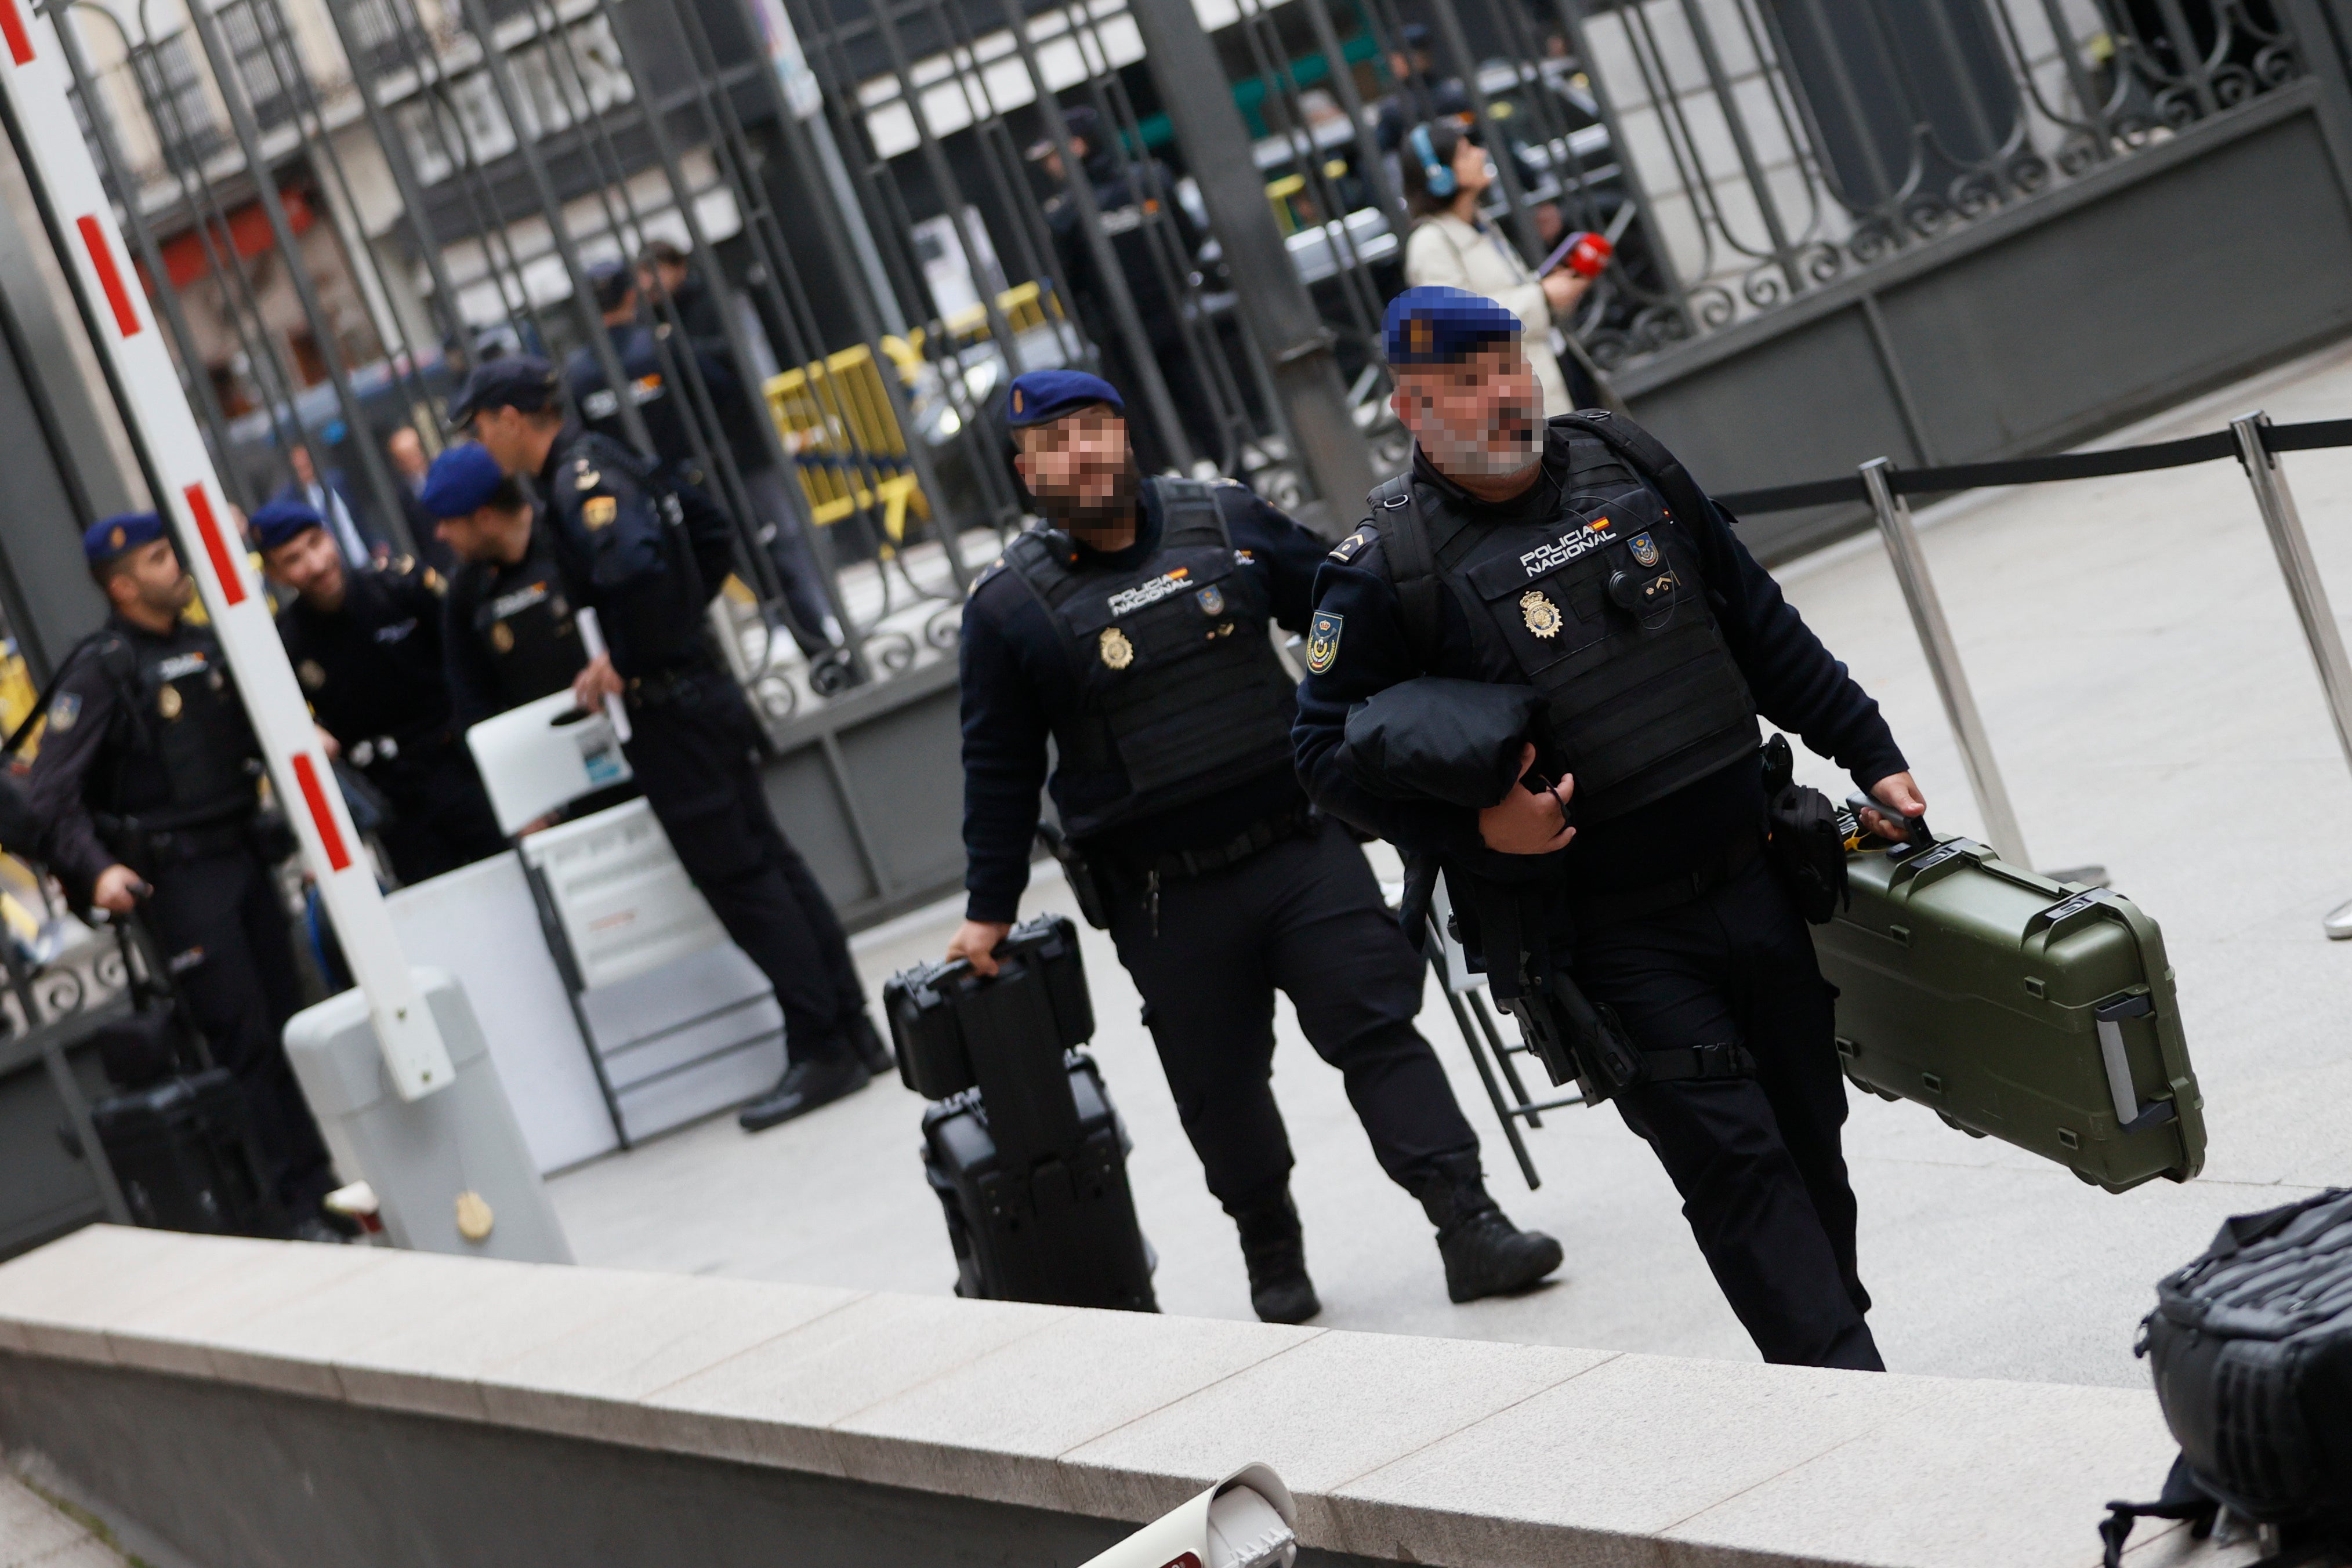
(182, 1151)
(178, 1134)
(1023, 1148)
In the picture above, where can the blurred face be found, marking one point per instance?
(311, 565)
(1082, 471)
(510, 436)
(407, 454)
(1472, 170)
(305, 474)
(1478, 418)
(487, 534)
(148, 580)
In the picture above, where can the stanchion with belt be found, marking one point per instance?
(2251, 438)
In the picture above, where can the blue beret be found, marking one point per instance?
(520, 381)
(460, 479)
(1041, 397)
(279, 522)
(1434, 325)
(109, 537)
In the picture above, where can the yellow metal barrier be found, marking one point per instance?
(845, 441)
(838, 423)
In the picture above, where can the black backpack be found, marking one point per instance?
(2252, 1350)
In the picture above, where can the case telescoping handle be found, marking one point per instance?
(2130, 1116)
(1859, 802)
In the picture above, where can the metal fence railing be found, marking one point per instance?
(893, 206)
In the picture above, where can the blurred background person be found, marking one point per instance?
(1447, 172)
(409, 466)
(366, 648)
(1129, 202)
(329, 494)
(662, 271)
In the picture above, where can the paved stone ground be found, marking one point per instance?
(35, 1535)
(2152, 705)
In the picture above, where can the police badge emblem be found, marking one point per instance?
(1211, 601)
(311, 675)
(1542, 616)
(598, 511)
(1644, 550)
(1118, 653)
(65, 710)
(1323, 642)
(503, 637)
(167, 701)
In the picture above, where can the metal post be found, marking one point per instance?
(1944, 661)
(1271, 298)
(2293, 546)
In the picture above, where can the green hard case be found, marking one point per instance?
(2038, 1012)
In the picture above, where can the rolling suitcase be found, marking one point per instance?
(178, 1133)
(1023, 1148)
(182, 1151)
(2014, 1007)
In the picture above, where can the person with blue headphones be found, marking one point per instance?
(1447, 170)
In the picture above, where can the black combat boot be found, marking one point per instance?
(805, 1085)
(1276, 1255)
(1485, 1253)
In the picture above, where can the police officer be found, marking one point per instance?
(145, 788)
(661, 404)
(508, 634)
(737, 415)
(1131, 631)
(1130, 201)
(366, 647)
(1554, 556)
(648, 555)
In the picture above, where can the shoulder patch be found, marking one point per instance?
(1323, 641)
(64, 708)
(1347, 549)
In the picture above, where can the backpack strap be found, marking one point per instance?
(110, 649)
(1412, 562)
(1647, 456)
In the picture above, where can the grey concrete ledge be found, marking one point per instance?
(1461, 1453)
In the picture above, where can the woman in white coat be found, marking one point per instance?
(1446, 170)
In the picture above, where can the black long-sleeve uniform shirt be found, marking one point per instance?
(1796, 682)
(372, 667)
(643, 550)
(1018, 683)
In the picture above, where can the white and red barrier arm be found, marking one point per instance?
(58, 165)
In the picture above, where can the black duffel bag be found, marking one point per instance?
(2252, 1350)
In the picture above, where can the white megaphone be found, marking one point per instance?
(1246, 1521)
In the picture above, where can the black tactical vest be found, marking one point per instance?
(1603, 611)
(523, 616)
(1179, 688)
(183, 753)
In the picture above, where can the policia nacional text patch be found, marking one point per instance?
(1323, 641)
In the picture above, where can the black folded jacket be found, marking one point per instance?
(1437, 738)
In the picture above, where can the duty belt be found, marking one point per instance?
(1619, 905)
(1176, 864)
(1263, 834)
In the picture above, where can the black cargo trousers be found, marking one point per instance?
(693, 751)
(1756, 1159)
(222, 928)
(1305, 916)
